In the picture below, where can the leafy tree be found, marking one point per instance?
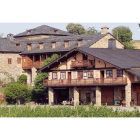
(76, 29)
(22, 79)
(129, 45)
(39, 90)
(49, 60)
(17, 91)
(124, 33)
(91, 30)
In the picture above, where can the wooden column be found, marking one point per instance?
(33, 60)
(40, 59)
(46, 56)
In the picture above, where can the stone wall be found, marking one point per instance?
(82, 93)
(14, 68)
(118, 93)
(103, 43)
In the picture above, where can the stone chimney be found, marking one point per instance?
(104, 30)
(10, 37)
(112, 43)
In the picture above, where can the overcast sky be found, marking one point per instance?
(16, 28)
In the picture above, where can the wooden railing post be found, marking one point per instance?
(33, 60)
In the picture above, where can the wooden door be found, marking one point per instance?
(138, 98)
(107, 95)
(102, 76)
(69, 77)
(88, 100)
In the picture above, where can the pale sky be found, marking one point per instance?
(16, 28)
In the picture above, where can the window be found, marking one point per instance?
(18, 60)
(18, 44)
(53, 45)
(29, 47)
(54, 75)
(109, 73)
(56, 31)
(9, 60)
(80, 74)
(63, 75)
(90, 74)
(119, 73)
(66, 44)
(41, 46)
(85, 74)
(79, 43)
(84, 57)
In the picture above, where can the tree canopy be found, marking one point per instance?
(124, 33)
(76, 29)
(49, 60)
(91, 30)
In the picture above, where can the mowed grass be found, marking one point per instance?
(79, 111)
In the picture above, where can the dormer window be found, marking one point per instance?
(18, 44)
(29, 47)
(80, 42)
(66, 44)
(41, 46)
(56, 31)
(53, 45)
(28, 32)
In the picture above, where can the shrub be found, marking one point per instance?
(22, 79)
(17, 91)
(79, 111)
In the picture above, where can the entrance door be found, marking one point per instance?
(69, 77)
(88, 100)
(138, 98)
(102, 76)
(107, 95)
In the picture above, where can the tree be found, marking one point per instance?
(22, 79)
(76, 29)
(124, 33)
(17, 91)
(49, 60)
(39, 90)
(91, 30)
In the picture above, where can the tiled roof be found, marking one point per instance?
(10, 46)
(88, 40)
(135, 72)
(43, 30)
(122, 58)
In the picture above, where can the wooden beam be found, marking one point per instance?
(40, 59)
(33, 59)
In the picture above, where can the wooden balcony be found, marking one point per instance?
(30, 65)
(85, 82)
(82, 63)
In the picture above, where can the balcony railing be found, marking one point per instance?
(85, 82)
(30, 65)
(82, 63)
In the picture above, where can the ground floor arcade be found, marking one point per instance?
(105, 95)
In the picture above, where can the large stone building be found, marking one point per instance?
(24, 54)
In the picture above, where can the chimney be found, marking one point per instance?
(112, 43)
(104, 30)
(10, 37)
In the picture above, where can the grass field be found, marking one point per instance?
(79, 111)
